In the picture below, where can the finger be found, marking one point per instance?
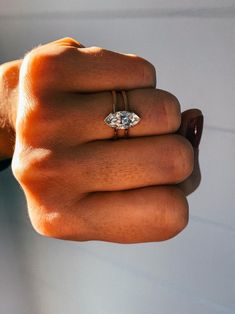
(69, 42)
(62, 42)
(159, 112)
(191, 128)
(100, 69)
(86, 69)
(141, 215)
(129, 164)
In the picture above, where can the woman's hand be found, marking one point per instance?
(79, 183)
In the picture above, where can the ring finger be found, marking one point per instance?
(84, 114)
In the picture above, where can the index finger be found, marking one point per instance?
(93, 69)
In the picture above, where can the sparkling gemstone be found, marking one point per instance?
(122, 119)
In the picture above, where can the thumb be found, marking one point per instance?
(191, 128)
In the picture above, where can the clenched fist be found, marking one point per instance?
(79, 183)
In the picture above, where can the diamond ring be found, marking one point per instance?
(121, 119)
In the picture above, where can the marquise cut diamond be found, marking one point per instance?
(122, 119)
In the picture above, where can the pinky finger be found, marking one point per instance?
(132, 216)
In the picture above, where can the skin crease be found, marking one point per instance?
(80, 184)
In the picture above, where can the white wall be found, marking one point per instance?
(192, 45)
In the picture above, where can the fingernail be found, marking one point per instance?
(5, 163)
(194, 131)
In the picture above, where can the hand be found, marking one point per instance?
(79, 183)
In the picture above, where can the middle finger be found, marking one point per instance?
(130, 163)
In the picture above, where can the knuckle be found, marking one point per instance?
(33, 59)
(17, 171)
(51, 203)
(48, 223)
(183, 158)
(44, 218)
(31, 166)
(69, 41)
(97, 51)
(57, 220)
(44, 212)
(51, 206)
(18, 167)
(43, 66)
(35, 68)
